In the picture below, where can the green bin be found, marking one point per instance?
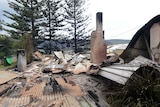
(7, 61)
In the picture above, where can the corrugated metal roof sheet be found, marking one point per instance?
(45, 100)
(66, 101)
(15, 102)
(36, 90)
(120, 73)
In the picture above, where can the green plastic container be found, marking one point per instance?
(7, 61)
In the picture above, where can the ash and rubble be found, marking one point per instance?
(62, 79)
(55, 80)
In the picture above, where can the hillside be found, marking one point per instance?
(117, 41)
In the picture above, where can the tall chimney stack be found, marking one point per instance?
(98, 45)
(99, 21)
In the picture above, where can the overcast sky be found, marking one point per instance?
(121, 18)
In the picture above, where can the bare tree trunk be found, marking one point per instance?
(49, 26)
(75, 29)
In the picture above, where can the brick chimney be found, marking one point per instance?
(98, 45)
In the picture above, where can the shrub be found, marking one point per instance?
(27, 44)
(141, 90)
(5, 47)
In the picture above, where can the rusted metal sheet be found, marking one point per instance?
(72, 102)
(122, 72)
(70, 87)
(56, 100)
(67, 101)
(15, 102)
(7, 76)
(36, 90)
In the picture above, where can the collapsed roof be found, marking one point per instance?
(143, 50)
(140, 43)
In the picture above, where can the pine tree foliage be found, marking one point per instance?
(52, 17)
(76, 18)
(24, 18)
(47, 17)
(1, 21)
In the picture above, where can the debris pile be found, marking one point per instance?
(76, 63)
(59, 80)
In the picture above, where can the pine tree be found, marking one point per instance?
(24, 17)
(76, 18)
(53, 18)
(1, 21)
